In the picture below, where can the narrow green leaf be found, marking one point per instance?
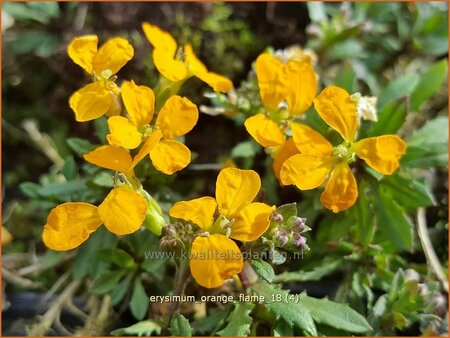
(409, 193)
(390, 119)
(363, 216)
(282, 329)
(263, 269)
(346, 78)
(282, 305)
(245, 149)
(139, 301)
(63, 190)
(433, 132)
(239, 321)
(107, 281)
(325, 268)
(215, 319)
(145, 328)
(392, 221)
(434, 155)
(430, 83)
(120, 291)
(69, 169)
(30, 189)
(399, 87)
(179, 326)
(339, 316)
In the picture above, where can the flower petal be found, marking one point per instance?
(110, 157)
(160, 39)
(171, 69)
(341, 191)
(302, 87)
(170, 156)
(338, 111)
(272, 80)
(217, 82)
(251, 222)
(82, 50)
(235, 189)
(112, 55)
(177, 117)
(287, 150)
(306, 171)
(69, 225)
(193, 63)
(150, 142)
(91, 102)
(264, 130)
(139, 102)
(123, 211)
(199, 211)
(309, 141)
(123, 133)
(382, 153)
(214, 259)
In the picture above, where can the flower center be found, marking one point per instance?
(342, 153)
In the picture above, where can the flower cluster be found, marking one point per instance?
(302, 156)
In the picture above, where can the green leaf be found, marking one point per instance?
(69, 169)
(434, 155)
(295, 314)
(144, 328)
(399, 87)
(80, 146)
(390, 119)
(179, 326)
(287, 210)
(120, 291)
(339, 316)
(346, 78)
(205, 325)
(37, 11)
(63, 190)
(363, 216)
(432, 132)
(325, 268)
(282, 329)
(117, 256)
(245, 149)
(409, 193)
(430, 83)
(85, 262)
(392, 221)
(347, 49)
(139, 301)
(107, 281)
(30, 189)
(263, 269)
(239, 321)
(104, 179)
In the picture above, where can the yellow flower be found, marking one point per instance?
(69, 225)
(318, 159)
(175, 67)
(99, 97)
(214, 256)
(293, 84)
(176, 118)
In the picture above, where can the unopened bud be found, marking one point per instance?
(282, 238)
(299, 224)
(412, 275)
(299, 240)
(276, 217)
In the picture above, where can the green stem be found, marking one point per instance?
(179, 286)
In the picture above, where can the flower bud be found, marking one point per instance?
(282, 238)
(299, 241)
(299, 224)
(276, 217)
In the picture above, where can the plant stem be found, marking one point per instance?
(428, 248)
(179, 285)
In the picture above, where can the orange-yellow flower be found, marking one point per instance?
(214, 256)
(293, 83)
(318, 159)
(176, 67)
(69, 225)
(176, 118)
(98, 98)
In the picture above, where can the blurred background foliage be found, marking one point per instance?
(395, 51)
